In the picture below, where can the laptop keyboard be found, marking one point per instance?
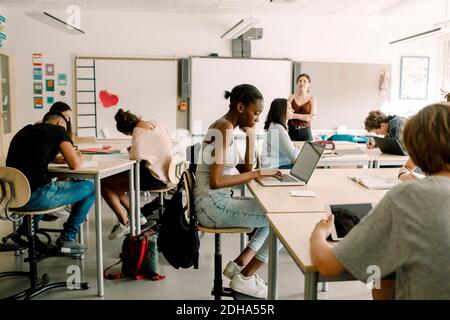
(288, 178)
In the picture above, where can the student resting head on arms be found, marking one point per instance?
(30, 151)
(66, 111)
(214, 205)
(151, 145)
(278, 149)
(406, 236)
(382, 124)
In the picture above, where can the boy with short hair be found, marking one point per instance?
(30, 151)
(408, 232)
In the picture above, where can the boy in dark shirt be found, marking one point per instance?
(30, 151)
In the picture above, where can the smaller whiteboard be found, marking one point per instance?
(210, 77)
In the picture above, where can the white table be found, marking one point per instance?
(103, 170)
(330, 186)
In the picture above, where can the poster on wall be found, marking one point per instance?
(50, 69)
(414, 77)
(62, 79)
(38, 104)
(37, 87)
(50, 85)
(37, 73)
(50, 101)
(37, 59)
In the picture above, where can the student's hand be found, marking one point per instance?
(371, 143)
(407, 176)
(274, 173)
(324, 227)
(59, 159)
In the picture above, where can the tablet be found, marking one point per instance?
(346, 216)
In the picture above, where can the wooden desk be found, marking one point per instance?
(103, 170)
(378, 158)
(294, 230)
(330, 186)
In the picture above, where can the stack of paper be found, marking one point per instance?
(375, 182)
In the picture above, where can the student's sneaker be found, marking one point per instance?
(252, 286)
(119, 230)
(69, 248)
(231, 269)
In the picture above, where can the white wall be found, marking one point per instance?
(307, 38)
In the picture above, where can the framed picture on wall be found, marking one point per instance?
(414, 77)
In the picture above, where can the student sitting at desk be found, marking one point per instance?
(381, 124)
(278, 150)
(408, 232)
(150, 144)
(214, 205)
(409, 171)
(30, 151)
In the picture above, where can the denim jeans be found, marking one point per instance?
(220, 210)
(80, 193)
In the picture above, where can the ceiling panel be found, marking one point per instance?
(422, 9)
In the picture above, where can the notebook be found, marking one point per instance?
(375, 182)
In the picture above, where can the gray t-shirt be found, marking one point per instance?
(407, 233)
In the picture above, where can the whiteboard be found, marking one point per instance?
(146, 87)
(210, 77)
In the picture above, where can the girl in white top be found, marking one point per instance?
(278, 150)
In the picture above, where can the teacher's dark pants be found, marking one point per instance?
(300, 134)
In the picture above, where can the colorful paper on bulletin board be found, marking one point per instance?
(37, 87)
(37, 73)
(62, 79)
(50, 69)
(50, 100)
(50, 85)
(37, 59)
(38, 104)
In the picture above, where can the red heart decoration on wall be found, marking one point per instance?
(108, 99)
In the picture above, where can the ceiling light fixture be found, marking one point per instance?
(240, 28)
(437, 30)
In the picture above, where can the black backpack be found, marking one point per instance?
(178, 238)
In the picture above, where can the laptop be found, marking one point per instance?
(346, 217)
(390, 146)
(303, 168)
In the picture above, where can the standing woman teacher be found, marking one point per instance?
(304, 106)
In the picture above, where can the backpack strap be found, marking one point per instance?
(111, 276)
(141, 259)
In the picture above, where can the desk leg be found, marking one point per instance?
(137, 188)
(273, 265)
(311, 281)
(98, 236)
(131, 197)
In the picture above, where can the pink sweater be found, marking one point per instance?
(153, 146)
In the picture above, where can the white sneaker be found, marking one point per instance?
(119, 230)
(252, 286)
(231, 269)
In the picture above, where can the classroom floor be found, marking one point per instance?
(179, 284)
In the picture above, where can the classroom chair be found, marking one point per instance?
(218, 290)
(15, 193)
(176, 168)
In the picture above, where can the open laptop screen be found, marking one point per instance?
(307, 160)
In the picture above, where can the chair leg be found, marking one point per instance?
(37, 287)
(217, 289)
(161, 204)
(243, 241)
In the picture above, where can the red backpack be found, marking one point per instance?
(139, 258)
